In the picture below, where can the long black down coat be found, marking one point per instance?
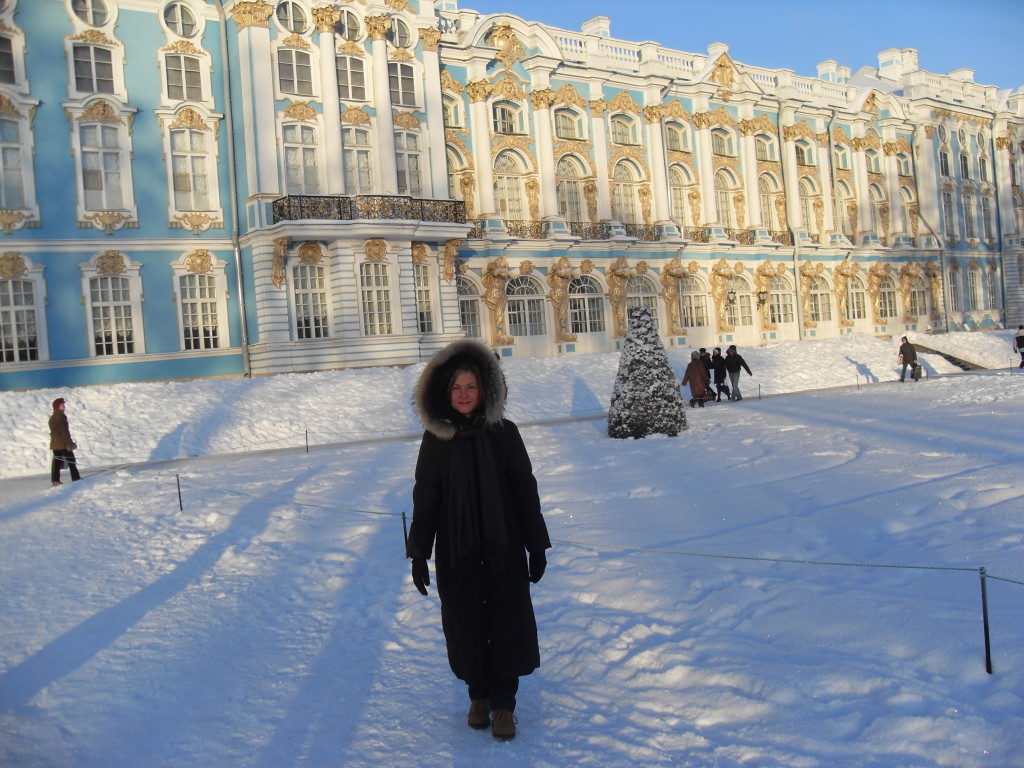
(488, 623)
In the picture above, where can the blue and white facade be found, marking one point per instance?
(205, 188)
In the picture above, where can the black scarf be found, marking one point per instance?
(476, 519)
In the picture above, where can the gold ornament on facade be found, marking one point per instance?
(929, 131)
(467, 183)
(1004, 142)
(478, 90)
(808, 274)
(908, 274)
(406, 120)
(277, 273)
(100, 111)
(590, 197)
(642, 267)
(510, 50)
(532, 187)
(892, 148)
(450, 253)
(420, 253)
(448, 83)
(399, 5)
(507, 88)
(674, 110)
(720, 117)
(295, 40)
(430, 37)
(188, 118)
(378, 27)
(569, 96)
(722, 161)
(876, 273)
(111, 263)
(780, 210)
(883, 215)
(719, 275)
(496, 275)
(560, 274)
(521, 143)
(457, 140)
(355, 116)
(578, 149)
(934, 275)
(760, 124)
(617, 276)
(325, 18)
(183, 46)
(672, 272)
(724, 72)
(597, 107)
(300, 110)
(645, 204)
(195, 222)
(819, 215)
(376, 249)
(914, 214)
(800, 130)
(623, 102)
(351, 48)
(542, 98)
(587, 266)
(400, 54)
(636, 154)
(94, 36)
(693, 198)
(871, 103)
(12, 265)
(310, 252)
(7, 107)
(251, 13)
(199, 261)
(108, 221)
(841, 275)
(10, 220)
(764, 275)
(739, 204)
(869, 141)
(653, 113)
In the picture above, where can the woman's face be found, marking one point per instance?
(465, 393)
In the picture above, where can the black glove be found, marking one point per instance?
(420, 574)
(538, 562)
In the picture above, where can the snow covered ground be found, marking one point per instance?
(271, 623)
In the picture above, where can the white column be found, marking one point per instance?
(892, 184)
(599, 133)
(479, 127)
(258, 112)
(326, 18)
(435, 114)
(794, 210)
(387, 173)
(864, 203)
(1001, 172)
(659, 168)
(706, 167)
(545, 151)
(829, 223)
(748, 161)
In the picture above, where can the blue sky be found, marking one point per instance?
(984, 35)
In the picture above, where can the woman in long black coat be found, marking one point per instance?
(475, 504)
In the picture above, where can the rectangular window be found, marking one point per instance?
(986, 216)
(944, 163)
(183, 79)
(918, 302)
(738, 312)
(351, 79)
(6, 61)
(424, 306)
(407, 158)
(469, 316)
(94, 69)
(12, 183)
(526, 316)
(19, 337)
(101, 167)
(948, 213)
(887, 304)
(199, 322)
(855, 306)
(693, 311)
(403, 88)
(294, 72)
(780, 308)
(310, 290)
(189, 171)
(969, 230)
(356, 158)
(965, 166)
(112, 327)
(302, 177)
(375, 291)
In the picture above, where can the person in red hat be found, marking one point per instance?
(61, 444)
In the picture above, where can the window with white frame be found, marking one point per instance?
(906, 202)
(767, 189)
(856, 305)
(407, 161)
(399, 35)
(738, 312)
(724, 186)
(944, 163)
(721, 142)
(843, 198)
(887, 298)
(309, 297)
(986, 217)
(357, 160)
(469, 307)
(112, 310)
(623, 130)
(291, 17)
(677, 138)
(877, 201)
(190, 170)
(180, 20)
(821, 304)
(199, 304)
(780, 301)
(764, 148)
(626, 186)
(301, 164)
(982, 169)
(953, 288)
(873, 161)
(693, 303)
(1013, 173)
(804, 153)
(12, 167)
(505, 117)
(641, 292)
(969, 228)
(94, 69)
(975, 294)
(903, 164)
(918, 298)
(965, 166)
(679, 182)
(568, 173)
(841, 157)
(424, 302)
(508, 186)
(348, 27)
(7, 72)
(456, 165)
(103, 161)
(351, 78)
(402, 84)
(567, 124)
(524, 307)
(92, 12)
(993, 287)
(586, 305)
(184, 81)
(808, 197)
(375, 297)
(949, 214)
(19, 331)
(294, 72)
(451, 111)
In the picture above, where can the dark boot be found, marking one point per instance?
(479, 716)
(504, 728)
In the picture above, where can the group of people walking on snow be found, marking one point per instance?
(705, 368)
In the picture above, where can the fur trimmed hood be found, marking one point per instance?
(432, 396)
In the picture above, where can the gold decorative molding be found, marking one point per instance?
(11, 220)
(675, 110)
(325, 18)
(448, 83)
(277, 273)
(194, 221)
(818, 205)
(296, 40)
(623, 102)
(645, 203)
(12, 265)
(199, 261)
(693, 199)
(839, 137)
(672, 272)
(590, 197)
(183, 46)
(532, 187)
(636, 154)
(841, 275)
(929, 131)
(252, 13)
(569, 96)
(521, 143)
(719, 275)
(801, 130)
(871, 103)
(560, 274)
(108, 221)
(100, 111)
(525, 267)
(597, 107)
(406, 120)
(420, 253)
(897, 147)
(617, 275)
(960, 118)
(378, 26)
(478, 90)
(933, 273)
(310, 252)
(457, 140)
(760, 124)
(355, 116)
(376, 249)
(653, 113)
(189, 118)
(877, 272)
(399, 5)
(1004, 142)
(351, 48)
(451, 252)
(764, 275)
(431, 37)
(94, 36)
(542, 98)
(300, 110)
(909, 273)
(723, 72)
(111, 263)
(869, 141)
(467, 183)
(587, 266)
(739, 203)
(808, 272)
(7, 107)
(510, 50)
(507, 88)
(720, 117)
(496, 275)
(401, 54)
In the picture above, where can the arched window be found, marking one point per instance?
(347, 27)
(399, 35)
(724, 186)
(624, 195)
(568, 173)
(977, 296)
(506, 117)
(679, 181)
(841, 157)
(874, 163)
(764, 148)
(918, 306)
(456, 165)
(821, 304)
(623, 130)
(844, 220)
(693, 303)
(767, 189)
(804, 153)
(586, 305)
(953, 288)
(309, 297)
(677, 138)
(780, 301)
(721, 142)
(641, 292)
(469, 307)
(375, 297)
(738, 306)
(887, 298)
(525, 307)
(508, 186)
(903, 165)
(808, 197)
(451, 112)
(877, 201)
(856, 306)
(568, 124)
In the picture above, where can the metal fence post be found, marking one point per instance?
(984, 620)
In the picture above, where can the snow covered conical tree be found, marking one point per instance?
(645, 398)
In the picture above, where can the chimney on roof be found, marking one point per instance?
(894, 63)
(598, 25)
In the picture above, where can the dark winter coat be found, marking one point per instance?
(907, 353)
(735, 361)
(487, 617)
(60, 432)
(697, 377)
(718, 368)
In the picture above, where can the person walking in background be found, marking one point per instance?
(734, 363)
(719, 370)
(1018, 344)
(705, 358)
(696, 376)
(475, 498)
(908, 356)
(61, 444)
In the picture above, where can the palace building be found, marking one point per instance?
(241, 187)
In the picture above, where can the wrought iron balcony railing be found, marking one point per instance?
(525, 230)
(641, 232)
(781, 236)
(586, 230)
(742, 236)
(698, 234)
(343, 208)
